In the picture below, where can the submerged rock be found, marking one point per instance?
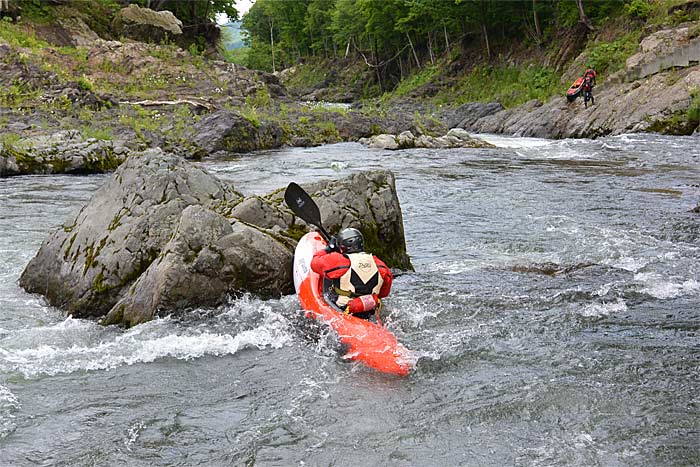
(163, 236)
(455, 138)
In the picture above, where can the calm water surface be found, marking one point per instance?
(597, 364)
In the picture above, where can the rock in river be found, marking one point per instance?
(163, 236)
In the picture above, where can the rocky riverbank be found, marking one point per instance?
(114, 97)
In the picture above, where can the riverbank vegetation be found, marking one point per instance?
(402, 61)
(450, 52)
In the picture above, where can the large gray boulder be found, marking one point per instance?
(668, 48)
(208, 257)
(368, 202)
(146, 25)
(88, 263)
(163, 236)
(60, 152)
(229, 131)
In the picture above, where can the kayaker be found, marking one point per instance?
(590, 73)
(356, 280)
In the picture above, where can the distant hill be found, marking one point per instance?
(231, 35)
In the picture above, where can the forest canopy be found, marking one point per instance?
(414, 32)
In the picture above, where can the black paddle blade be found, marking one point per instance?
(300, 202)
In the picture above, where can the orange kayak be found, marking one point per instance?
(575, 90)
(368, 342)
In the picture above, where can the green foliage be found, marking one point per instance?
(609, 57)
(141, 121)
(17, 36)
(414, 81)
(9, 140)
(639, 9)
(237, 56)
(509, 85)
(85, 83)
(694, 108)
(260, 100)
(89, 131)
(16, 94)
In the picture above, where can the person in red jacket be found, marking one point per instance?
(354, 280)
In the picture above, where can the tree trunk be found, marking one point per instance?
(447, 39)
(486, 39)
(272, 43)
(414, 50)
(582, 15)
(538, 29)
(430, 48)
(376, 66)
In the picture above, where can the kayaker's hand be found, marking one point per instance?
(332, 245)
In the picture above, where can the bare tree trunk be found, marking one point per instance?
(430, 48)
(538, 29)
(272, 43)
(447, 39)
(582, 15)
(486, 39)
(347, 49)
(375, 52)
(414, 50)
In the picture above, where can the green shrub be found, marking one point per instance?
(639, 9)
(18, 37)
(85, 84)
(609, 57)
(261, 99)
(694, 108)
(509, 85)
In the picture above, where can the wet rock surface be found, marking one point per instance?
(163, 236)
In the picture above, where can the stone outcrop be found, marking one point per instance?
(641, 97)
(88, 262)
(229, 131)
(664, 49)
(643, 105)
(455, 138)
(60, 152)
(163, 236)
(146, 25)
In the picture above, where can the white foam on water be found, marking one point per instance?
(133, 434)
(417, 312)
(513, 141)
(596, 310)
(628, 263)
(9, 403)
(338, 166)
(141, 344)
(658, 287)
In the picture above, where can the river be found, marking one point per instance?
(554, 308)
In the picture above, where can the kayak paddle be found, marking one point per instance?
(300, 202)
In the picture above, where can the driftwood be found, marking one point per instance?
(192, 102)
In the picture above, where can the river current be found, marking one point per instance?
(554, 308)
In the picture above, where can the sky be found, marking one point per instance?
(241, 5)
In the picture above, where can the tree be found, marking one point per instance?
(582, 15)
